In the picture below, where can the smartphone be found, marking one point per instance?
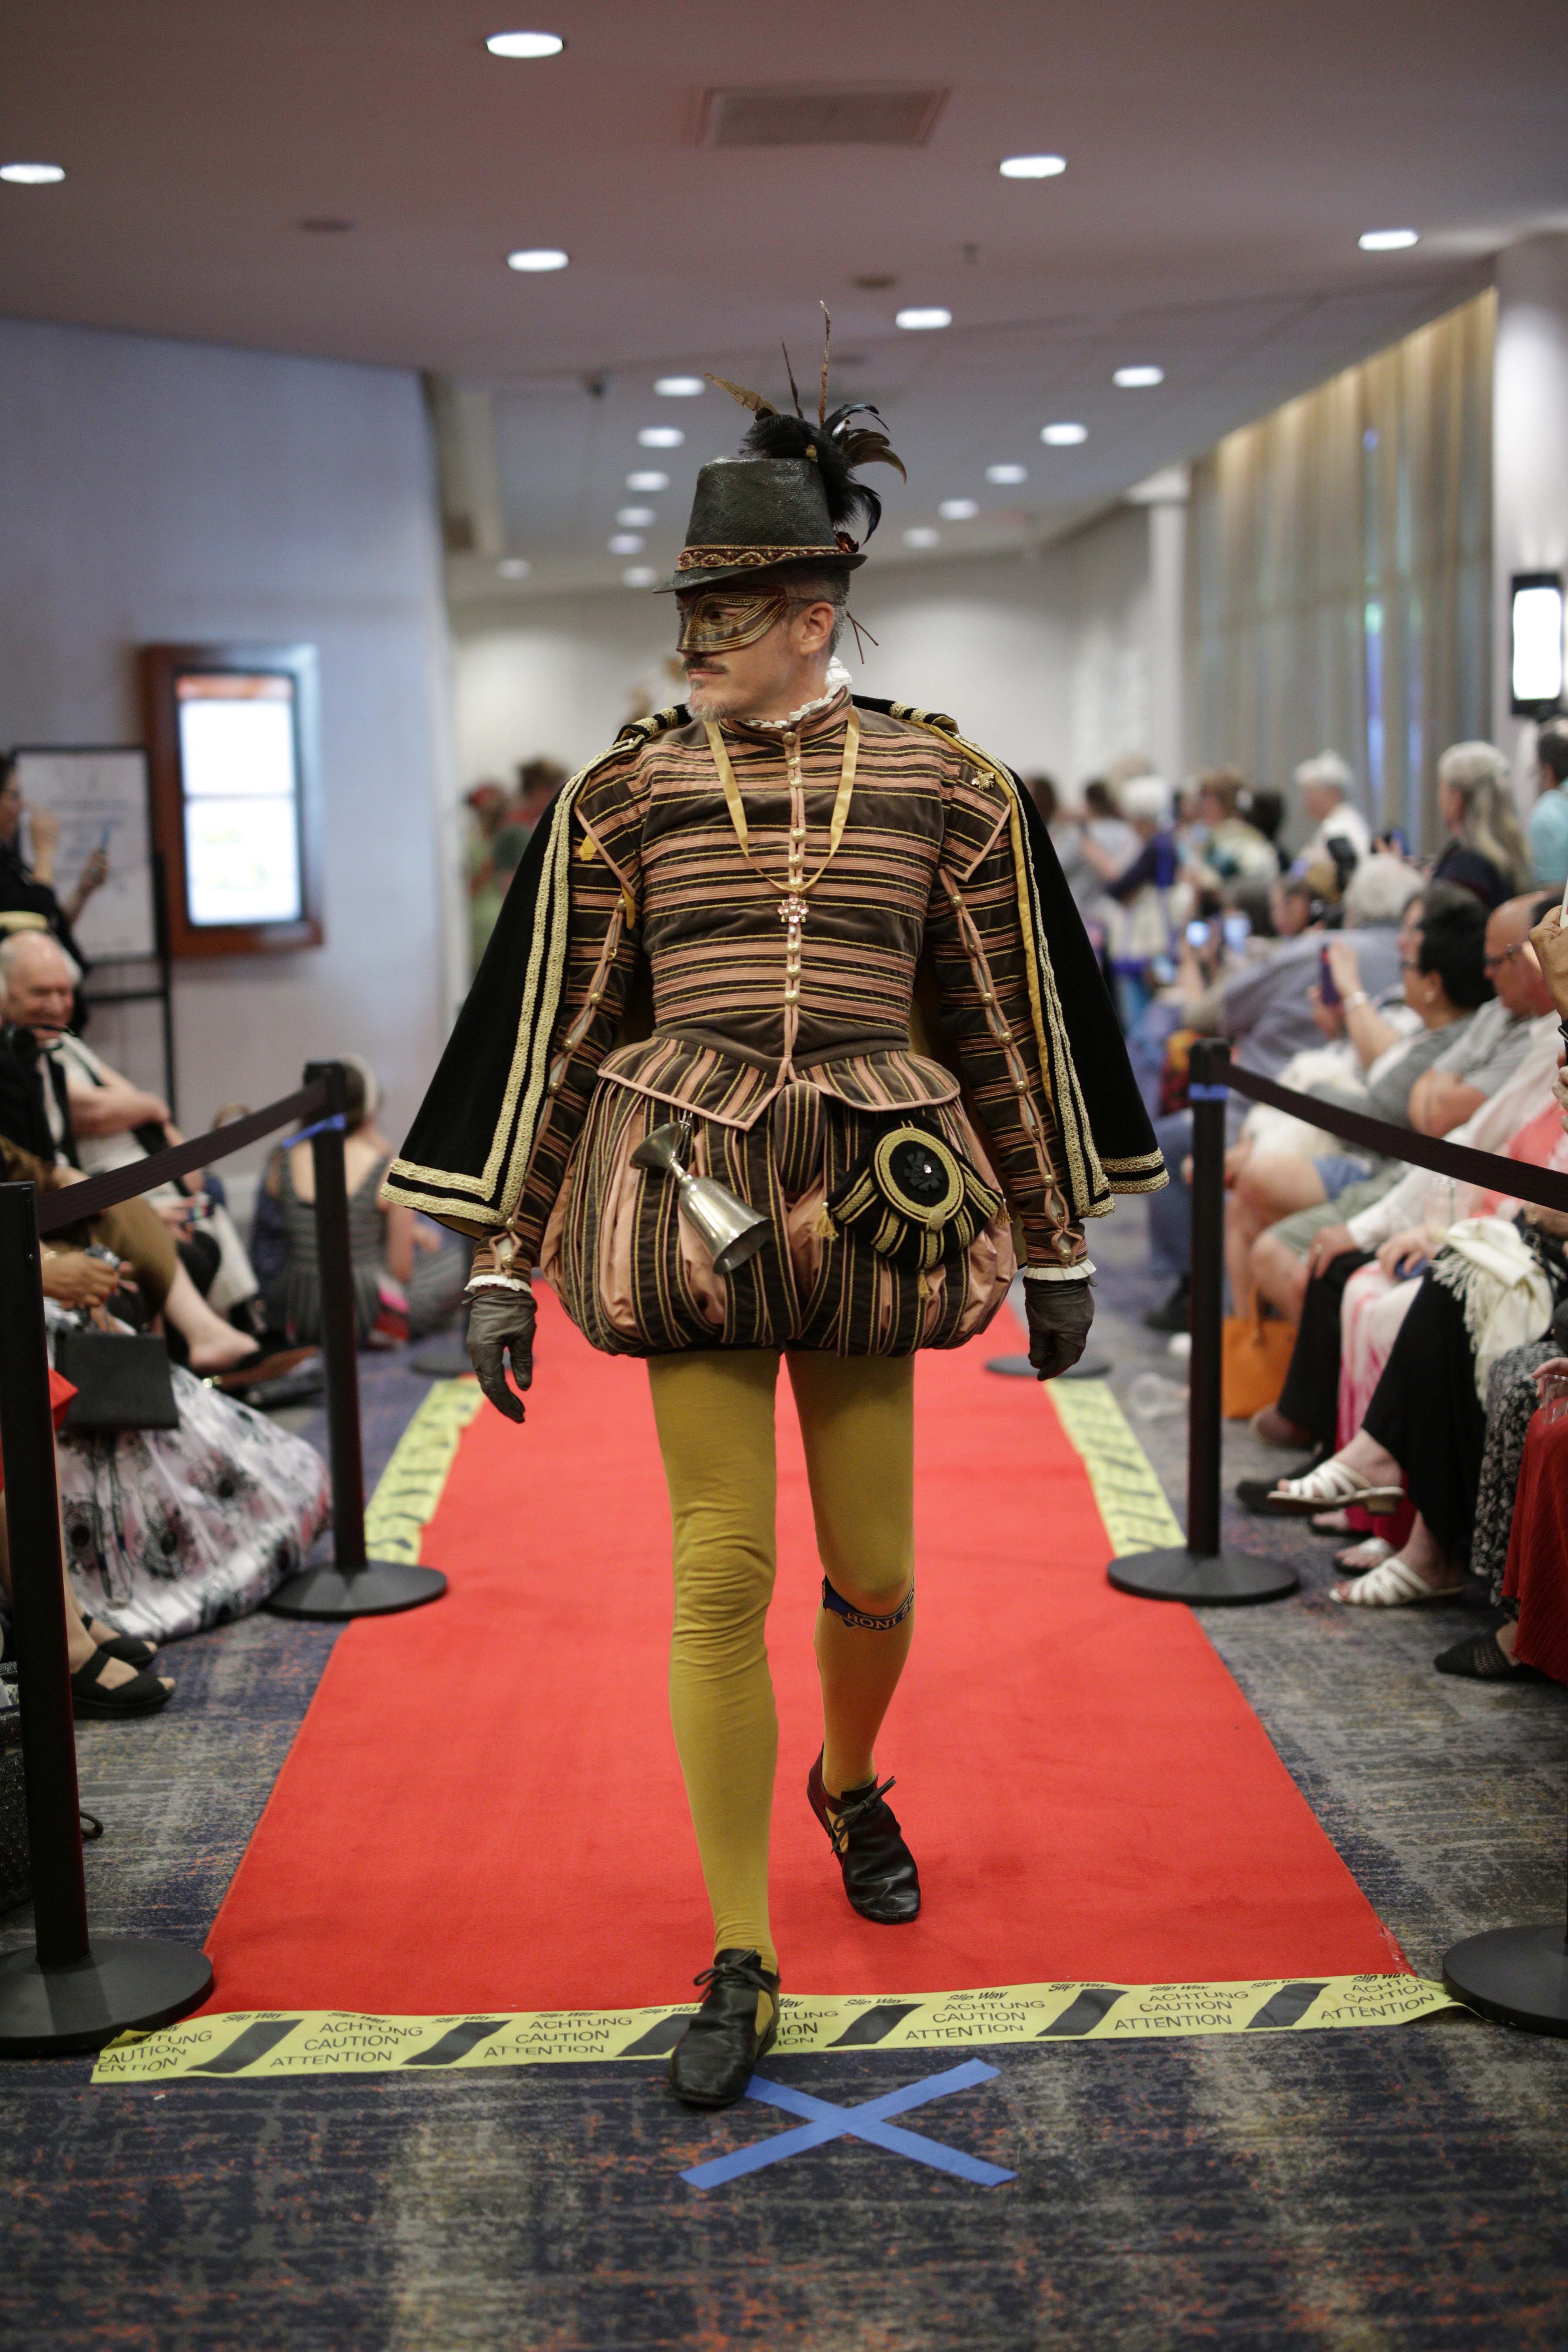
(1326, 989)
(1197, 935)
(103, 841)
(1237, 931)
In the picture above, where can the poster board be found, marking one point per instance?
(99, 793)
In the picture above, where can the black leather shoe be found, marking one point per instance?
(713, 2063)
(879, 1874)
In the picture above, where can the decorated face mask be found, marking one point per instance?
(717, 623)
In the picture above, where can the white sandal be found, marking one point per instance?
(1329, 1487)
(1395, 1585)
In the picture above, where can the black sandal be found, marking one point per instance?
(879, 1874)
(714, 2059)
(142, 1694)
(1482, 1659)
(124, 1646)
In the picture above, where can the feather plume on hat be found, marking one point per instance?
(835, 447)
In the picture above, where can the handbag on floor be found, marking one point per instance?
(1255, 1356)
(121, 1380)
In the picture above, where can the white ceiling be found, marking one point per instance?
(1222, 158)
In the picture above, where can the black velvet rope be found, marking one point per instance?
(95, 1194)
(1513, 1179)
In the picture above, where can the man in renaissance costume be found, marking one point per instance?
(788, 1043)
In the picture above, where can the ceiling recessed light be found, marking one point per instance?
(514, 567)
(525, 45)
(661, 436)
(1063, 436)
(1033, 167)
(32, 175)
(1138, 379)
(639, 575)
(537, 257)
(958, 509)
(647, 482)
(922, 536)
(1380, 240)
(680, 387)
(1006, 473)
(626, 543)
(634, 518)
(915, 320)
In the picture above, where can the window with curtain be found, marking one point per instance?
(1339, 593)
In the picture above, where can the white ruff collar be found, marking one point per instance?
(837, 680)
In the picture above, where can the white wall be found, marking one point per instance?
(1044, 661)
(155, 491)
(1530, 452)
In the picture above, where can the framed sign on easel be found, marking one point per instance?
(99, 795)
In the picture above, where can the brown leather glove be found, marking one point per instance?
(1060, 1316)
(500, 1323)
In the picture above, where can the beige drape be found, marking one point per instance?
(1339, 592)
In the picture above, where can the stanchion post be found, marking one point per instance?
(1205, 1571)
(71, 1991)
(353, 1586)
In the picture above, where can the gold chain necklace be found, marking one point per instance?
(793, 892)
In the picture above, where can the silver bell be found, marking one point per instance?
(732, 1232)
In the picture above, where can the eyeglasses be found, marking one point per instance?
(1496, 962)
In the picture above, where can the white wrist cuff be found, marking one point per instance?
(495, 1282)
(1079, 1273)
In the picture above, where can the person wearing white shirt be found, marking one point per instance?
(1323, 786)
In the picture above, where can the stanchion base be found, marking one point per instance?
(443, 1357)
(1515, 1976)
(1018, 1368)
(379, 1589)
(1225, 1579)
(128, 1985)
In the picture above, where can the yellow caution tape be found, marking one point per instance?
(1131, 1499)
(410, 1486)
(263, 2044)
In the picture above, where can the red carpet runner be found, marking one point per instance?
(483, 1812)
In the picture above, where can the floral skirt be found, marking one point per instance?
(169, 1531)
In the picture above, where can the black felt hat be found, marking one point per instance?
(753, 514)
(786, 500)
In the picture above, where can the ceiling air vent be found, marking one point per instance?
(830, 115)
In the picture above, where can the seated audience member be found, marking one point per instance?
(408, 1276)
(27, 899)
(1492, 1287)
(1442, 943)
(1143, 916)
(1549, 817)
(1508, 1494)
(170, 1532)
(1486, 851)
(1324, 786)
(1531, 1641)
(109, 1670)
(38, 979)
(1233, 849)
(115, 1124)
(1266, 1010)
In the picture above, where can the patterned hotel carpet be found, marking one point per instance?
(1373, 2191)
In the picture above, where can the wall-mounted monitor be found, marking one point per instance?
(233, 733)
(1535, 643)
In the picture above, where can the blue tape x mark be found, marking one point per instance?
(867, 2122)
